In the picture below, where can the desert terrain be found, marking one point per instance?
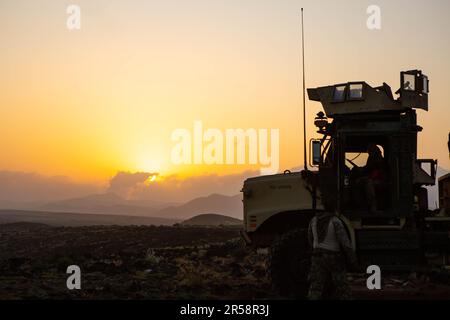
(157, 262)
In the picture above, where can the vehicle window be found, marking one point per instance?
(355, 91)
(356, 158)
(425, 84)
(409, 82)
(359, 158)
(339, 93)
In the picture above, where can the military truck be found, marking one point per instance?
(402, 234)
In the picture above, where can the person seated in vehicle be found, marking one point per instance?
(373, 174)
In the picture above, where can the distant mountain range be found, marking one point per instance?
(212, 220)
(108, 203)
(215, 203)
(112, 204)
(77, 219)
(58, 219)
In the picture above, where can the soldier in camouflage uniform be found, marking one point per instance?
(331, 250)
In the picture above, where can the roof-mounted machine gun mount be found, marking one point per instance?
(360, 97)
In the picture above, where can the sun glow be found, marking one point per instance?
(152, 179)
(150, 163)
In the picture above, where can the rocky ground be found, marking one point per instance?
(154, 263)
(129, 263)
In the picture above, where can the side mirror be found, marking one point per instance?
(316, 146)
(448, 143)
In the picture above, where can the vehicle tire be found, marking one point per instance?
(289, 264)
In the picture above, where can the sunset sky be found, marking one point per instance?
(88, 103)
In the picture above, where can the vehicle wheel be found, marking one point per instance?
(289, 264)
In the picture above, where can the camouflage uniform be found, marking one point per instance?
(326, 266)
(329, 265)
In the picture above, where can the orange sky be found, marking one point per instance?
(89, 103)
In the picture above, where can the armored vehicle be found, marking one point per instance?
(399, 233)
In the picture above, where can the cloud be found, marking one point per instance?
(126, 183)
(174, 188)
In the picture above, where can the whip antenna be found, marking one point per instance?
(304, 98)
